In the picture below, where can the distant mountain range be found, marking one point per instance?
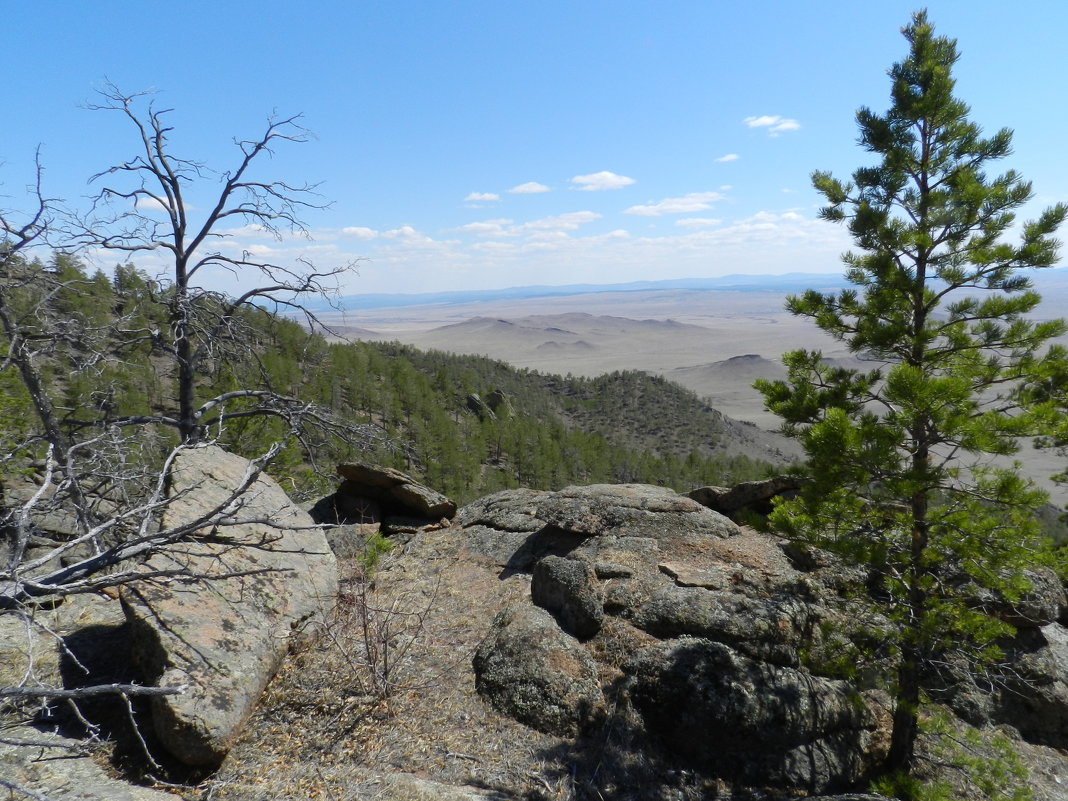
(784, 283)
(790, 282)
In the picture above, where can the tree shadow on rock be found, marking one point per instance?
(100, 655)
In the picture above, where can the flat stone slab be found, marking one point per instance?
(394, 489)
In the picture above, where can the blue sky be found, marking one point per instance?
(478, 144)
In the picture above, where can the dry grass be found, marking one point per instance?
(336, 720)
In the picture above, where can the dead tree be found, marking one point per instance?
(106, 472)
(203, 325)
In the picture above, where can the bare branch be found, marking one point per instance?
(89, 692)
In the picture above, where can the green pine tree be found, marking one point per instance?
(900, 453)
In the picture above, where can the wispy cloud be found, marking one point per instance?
(558, 222)
(695, 201)
(697, 222)
(561, 248)
(529, 188)
(600, 181)
(728, 157)
(481, 197)
(774, 123)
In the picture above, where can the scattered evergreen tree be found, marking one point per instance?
(899, 454)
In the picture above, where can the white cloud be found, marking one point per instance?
(547, 227)
(695, 201)
(774, 123)
(405, 232)
(728, 157)
(145, 203)
(562, 249)
(484, 197)
(529, 188)
(359, 232)
(600, 181)
(558, 223)
(485, 227)
(697, 222)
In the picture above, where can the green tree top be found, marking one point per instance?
(900, 453)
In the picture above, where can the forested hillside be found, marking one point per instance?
(466, 425)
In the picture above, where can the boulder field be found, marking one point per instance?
(692, 656)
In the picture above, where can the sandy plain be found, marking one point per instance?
(713, 342)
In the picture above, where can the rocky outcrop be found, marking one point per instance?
(1034, 698)
(1043, 602)
(227, 607)
(698, 629)
(474, 403)
(775, 726)
(500, 404)
(749, 497)
(369, 494)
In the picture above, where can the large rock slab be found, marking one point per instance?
(222, 625)
(773, 630)
(1043, 602)
(406, 787)
(704, 635)
(634, 510)
(610, 525)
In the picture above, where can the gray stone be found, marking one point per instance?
(509, 510)
(568, 588)
(533, 671)
(631, 510)
(475, 404)
(602, 523)
(1044, 601)
(749, 496)
(748, 720)
(61, 769)
(771, 630)
(1035, 698)
(500, 403)
(397, 492)
(349, 541)
(223, 634)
